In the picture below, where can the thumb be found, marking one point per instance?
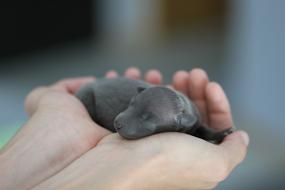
(235, 146)
(69, 86)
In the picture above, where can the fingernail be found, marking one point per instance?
(244, 137)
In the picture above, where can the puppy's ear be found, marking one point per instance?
(140, 89)
(185, 121)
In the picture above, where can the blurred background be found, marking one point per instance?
(239, 42)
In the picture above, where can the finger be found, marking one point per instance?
(71, 85)
(111, 74)
(235, 148)
(197, 81)
(219, 111)
(153, 77)
(180, 81)
(133, 73)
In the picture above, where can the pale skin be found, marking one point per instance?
(60, 147)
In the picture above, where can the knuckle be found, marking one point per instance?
(33, 95)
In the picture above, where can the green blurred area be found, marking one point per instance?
(7, 132)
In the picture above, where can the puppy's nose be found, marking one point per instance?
(118, 124)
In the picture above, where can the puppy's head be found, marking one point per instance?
(153, 110)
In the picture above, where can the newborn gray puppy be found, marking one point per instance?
(136, 109)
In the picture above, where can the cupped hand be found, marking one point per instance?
(166, 160)
(59, 131)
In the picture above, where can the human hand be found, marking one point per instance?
(59, 130)
(166, 160)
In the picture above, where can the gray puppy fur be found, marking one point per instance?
(136, 109)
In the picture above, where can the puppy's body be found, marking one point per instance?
(106, 98)
(136, 109)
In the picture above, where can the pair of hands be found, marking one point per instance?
(60, 147)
